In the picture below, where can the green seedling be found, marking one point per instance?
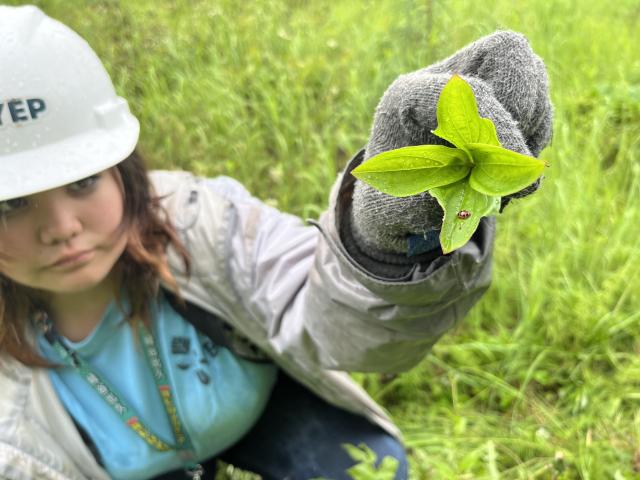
(469, 180)
(367, 466)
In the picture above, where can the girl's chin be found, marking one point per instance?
(75, 282)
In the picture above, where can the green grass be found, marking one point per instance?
(542, 380)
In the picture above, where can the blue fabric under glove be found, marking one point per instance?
(419, 244)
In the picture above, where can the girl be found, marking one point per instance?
(151, 323)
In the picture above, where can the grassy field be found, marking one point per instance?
(542, 380)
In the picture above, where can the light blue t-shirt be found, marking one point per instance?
(219, 396)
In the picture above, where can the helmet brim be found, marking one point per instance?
(66, 161)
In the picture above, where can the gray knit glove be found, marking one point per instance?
(510, 85)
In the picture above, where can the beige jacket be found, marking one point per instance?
(291, 289)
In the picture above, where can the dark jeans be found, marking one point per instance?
(299, 437)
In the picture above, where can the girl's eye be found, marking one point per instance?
(85, 184)
(8, 207)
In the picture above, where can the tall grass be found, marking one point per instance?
(542, 380)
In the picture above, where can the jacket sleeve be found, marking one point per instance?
(313, 301)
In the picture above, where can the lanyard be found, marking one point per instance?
(182, 443)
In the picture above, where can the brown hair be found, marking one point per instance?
(143, 263)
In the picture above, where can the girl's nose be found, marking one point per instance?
(59, 223)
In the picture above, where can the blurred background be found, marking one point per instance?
(542, 380)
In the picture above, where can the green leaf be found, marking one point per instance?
(454, 199)
(366, 468)
(360, 453)
(498, 171)
(458, 120)
(488, 133)
(411, 170)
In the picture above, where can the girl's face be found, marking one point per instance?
(64, 240)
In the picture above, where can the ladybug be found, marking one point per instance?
(464, 214)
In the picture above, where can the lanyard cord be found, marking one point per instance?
(183, 445)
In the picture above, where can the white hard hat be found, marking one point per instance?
(60, 117)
